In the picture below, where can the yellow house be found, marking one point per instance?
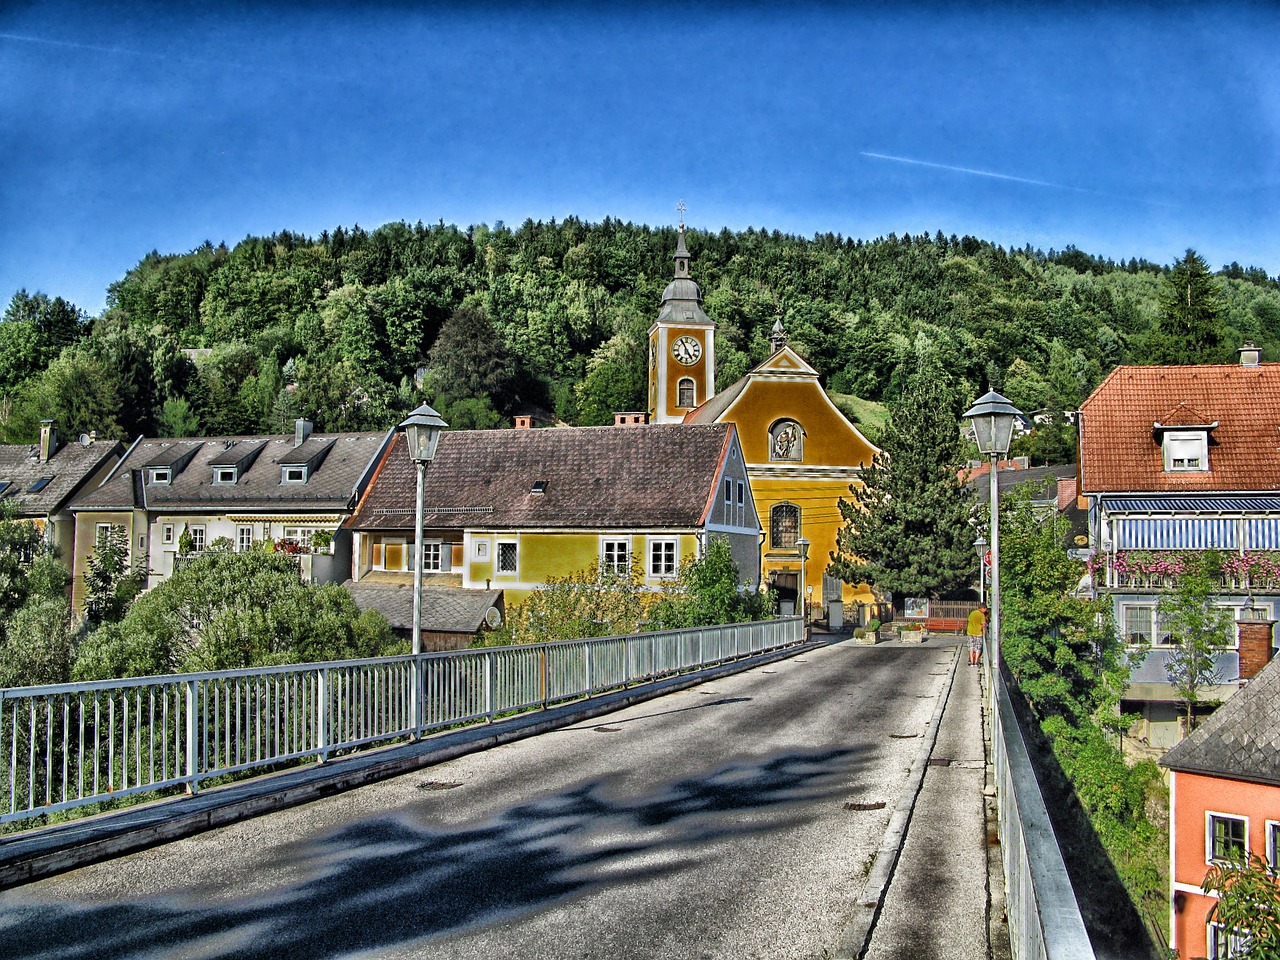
(802, 453)
(507, 509)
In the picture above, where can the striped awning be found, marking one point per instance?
(1196, 533)
(1239, 504)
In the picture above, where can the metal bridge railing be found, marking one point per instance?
(1044, 917)
(69, 745)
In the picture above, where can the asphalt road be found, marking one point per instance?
(736, 819)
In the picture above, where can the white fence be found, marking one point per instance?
(70, 745)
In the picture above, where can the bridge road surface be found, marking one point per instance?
(707, 823)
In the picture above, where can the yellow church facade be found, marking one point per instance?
(802, 454)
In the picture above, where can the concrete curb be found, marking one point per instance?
(856, 936)
(65, 846)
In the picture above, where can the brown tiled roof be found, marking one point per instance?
(1119, 451)
(331, 485)
(70, 466)
(598, 477)
(1241, 740)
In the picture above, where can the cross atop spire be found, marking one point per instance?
(680, 209)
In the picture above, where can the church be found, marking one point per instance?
(802, 453)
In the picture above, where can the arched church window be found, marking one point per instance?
(784, 526)
(685, 393)
(786, 441)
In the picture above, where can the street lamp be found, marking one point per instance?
(422, 433)
(980, 547)
(992, 417)
(803, 546)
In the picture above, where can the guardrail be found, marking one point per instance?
(70, 745)
(1044, 917)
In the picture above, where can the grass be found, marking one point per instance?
(867, 415)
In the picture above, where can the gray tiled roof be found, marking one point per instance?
(597, 477)
(70, 466)
(710, 411)
(331, 485)
(1241, 740)
(444, 609)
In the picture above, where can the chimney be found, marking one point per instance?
(1066, 492)
(1249, 354)
(629, 419)
(48, 440)
(524, 423)
(1255, 645)
(301, 430)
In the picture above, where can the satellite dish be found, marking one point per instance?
(493, 619)
(84, 440)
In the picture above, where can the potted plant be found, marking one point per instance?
(911, 633)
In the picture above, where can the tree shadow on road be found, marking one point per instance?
(378, 883)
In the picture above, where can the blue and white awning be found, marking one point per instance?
(1194, 523)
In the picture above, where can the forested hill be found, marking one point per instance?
(354, 328)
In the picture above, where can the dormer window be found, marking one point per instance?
(295, 474)
(1186, 451)
(160, 475)
(224, 474)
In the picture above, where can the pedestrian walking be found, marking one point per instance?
(976, 629)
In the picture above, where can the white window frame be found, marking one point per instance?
(160, 476)
(610, 562)
(664, 558)
(224, 475)
(101, 533)
(1186, 451)
(1125, 610)
(742, 503)
(692, 386)
(299, 535)
(480, 548)
(1210, 816)
(1273, 845)
(1236, 942)
(287, 474)
(501, 569)
(198, 540)
(432, 556)
(244, 538)
(166, 533)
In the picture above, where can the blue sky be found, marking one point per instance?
(1126, 130)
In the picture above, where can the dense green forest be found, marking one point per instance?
(354, 328)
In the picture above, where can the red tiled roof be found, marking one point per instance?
(602, 477)
(1119, 449)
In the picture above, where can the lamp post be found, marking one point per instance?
(980, 547)
(422, 433)
(992, 418)
(803, 546)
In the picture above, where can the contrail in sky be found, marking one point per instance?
(70, 45)
(976, 173)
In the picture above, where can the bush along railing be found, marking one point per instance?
(71, 745)
(1044, 917)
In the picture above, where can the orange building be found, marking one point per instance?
(802, 453)
(1224, 796)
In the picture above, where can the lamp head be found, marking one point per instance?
(803, 546)
(422, 429)
(993, 417)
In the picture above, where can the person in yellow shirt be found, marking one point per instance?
(977, 627)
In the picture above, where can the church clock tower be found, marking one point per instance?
(682, 357)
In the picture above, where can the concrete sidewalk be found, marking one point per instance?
(939, 900)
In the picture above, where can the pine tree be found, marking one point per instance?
(907, 526)
(1190, 303)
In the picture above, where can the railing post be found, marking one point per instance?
(415, 698)
(193, 751)
(543, 651)
(590, 671)
(322, 714)
(489, 681)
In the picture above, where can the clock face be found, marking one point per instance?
(686, 350)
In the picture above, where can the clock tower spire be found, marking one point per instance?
(681, 345)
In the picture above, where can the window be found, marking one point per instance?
(728, 495)
(39, 485)
(685, 393)
(166, 533)
(293, 474)
(1225, 836)
(197, 537)
(224, 474)
(1222, 944)
(299, 535)
(1138, 624)
(431, 556)
(101, 535)
(784, 526)
(5, 485)
(390, 554)
(615, 556)
(1186, 451)
(662, 558)
(482, 549)
(1273, 842)
(161, 475)
(786, 441)
(507, 556)
(244, 539)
